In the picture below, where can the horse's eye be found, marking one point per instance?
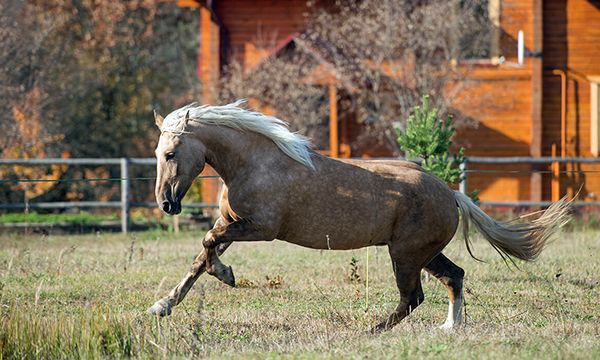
(170, 156)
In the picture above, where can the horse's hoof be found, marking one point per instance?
(376, 330)
(161, 308)
(449, 326)
(223, 273)
(228, 277)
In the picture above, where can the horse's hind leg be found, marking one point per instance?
(452, 277)
(163, 306)
(408, 279)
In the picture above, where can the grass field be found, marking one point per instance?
(76, 218)
(86, 296)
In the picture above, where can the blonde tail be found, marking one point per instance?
(524, 241)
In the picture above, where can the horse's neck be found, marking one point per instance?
(234, 153)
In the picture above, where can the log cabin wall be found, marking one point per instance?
(255, 28)
(517, 108)
(498, 98)
(245, 32)
(572, 46)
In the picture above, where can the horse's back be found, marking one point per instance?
(431, 203)
(350, 204)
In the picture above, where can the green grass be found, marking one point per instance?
(72, 297)
(75, 218)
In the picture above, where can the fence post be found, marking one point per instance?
(462, 186)
(124, 195)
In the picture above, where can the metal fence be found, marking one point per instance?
(543, 160)
(125, 203)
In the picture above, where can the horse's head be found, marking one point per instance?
(180, 157)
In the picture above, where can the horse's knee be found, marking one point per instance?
(209, 240)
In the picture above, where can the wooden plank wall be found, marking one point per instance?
(571, 44)
(252, 29)
(499, 97)
(515, 15)
(256, 27)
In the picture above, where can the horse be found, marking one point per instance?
(277, 187)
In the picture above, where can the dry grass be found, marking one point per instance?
(86, 296)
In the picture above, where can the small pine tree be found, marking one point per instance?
(429, 138)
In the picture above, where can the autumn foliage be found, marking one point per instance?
(30, 142)
(81, 78)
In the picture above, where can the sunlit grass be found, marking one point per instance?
(86, 296)
(75, 218)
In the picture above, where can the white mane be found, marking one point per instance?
(235, 116)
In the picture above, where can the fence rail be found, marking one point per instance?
(79, 161)
(548, 160)
(125, 203)
(531, 160)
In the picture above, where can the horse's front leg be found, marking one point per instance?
(163, 306)
(241, 230)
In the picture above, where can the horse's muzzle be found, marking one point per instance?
(171, 207)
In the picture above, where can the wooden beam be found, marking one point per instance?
(334, 146)
(494, 12)
(345, 150)
(204, 55)
(536, 98)
(208, 56)
(595, 115)
(208, 73)
(563, 110)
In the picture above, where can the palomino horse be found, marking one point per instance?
(277, 188)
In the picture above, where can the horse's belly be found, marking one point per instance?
(343, 209)
(337, 235)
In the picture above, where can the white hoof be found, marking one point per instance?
(451, 325)
(447, 326)
(161, 308)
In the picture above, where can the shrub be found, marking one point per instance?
(429, 138)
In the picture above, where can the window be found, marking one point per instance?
(481, 36)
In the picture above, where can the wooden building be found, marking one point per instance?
(547, 105)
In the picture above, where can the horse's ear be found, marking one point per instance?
(186, 119)
(158, 120)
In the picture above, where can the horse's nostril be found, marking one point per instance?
(166, 206)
